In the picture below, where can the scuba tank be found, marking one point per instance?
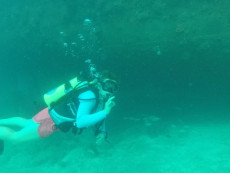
(54, 95)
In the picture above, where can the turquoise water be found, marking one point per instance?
(173, 61)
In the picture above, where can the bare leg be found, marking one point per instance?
(14, 121)
(29, 132)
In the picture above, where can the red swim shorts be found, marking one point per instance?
(47, 125)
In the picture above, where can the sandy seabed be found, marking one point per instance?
(190, 148)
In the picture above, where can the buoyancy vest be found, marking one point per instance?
(64, 101)
(64, 112)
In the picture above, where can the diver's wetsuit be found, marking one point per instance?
(85, 116)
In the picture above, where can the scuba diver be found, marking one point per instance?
(72, 106)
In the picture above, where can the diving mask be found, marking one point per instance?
(110, 85)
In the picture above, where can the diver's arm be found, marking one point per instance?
(85, 117)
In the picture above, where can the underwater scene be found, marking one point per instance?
(169, 60)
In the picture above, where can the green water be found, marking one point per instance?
(173, 60)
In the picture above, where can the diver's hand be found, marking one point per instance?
(109, 105)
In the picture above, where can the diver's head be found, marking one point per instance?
(108, 84)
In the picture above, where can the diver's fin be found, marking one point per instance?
(1, 146)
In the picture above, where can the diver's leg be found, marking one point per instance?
(14, 121)
(27, 133)
(30, 132)
(6, 133)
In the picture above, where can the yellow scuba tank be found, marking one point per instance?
(57, 93)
